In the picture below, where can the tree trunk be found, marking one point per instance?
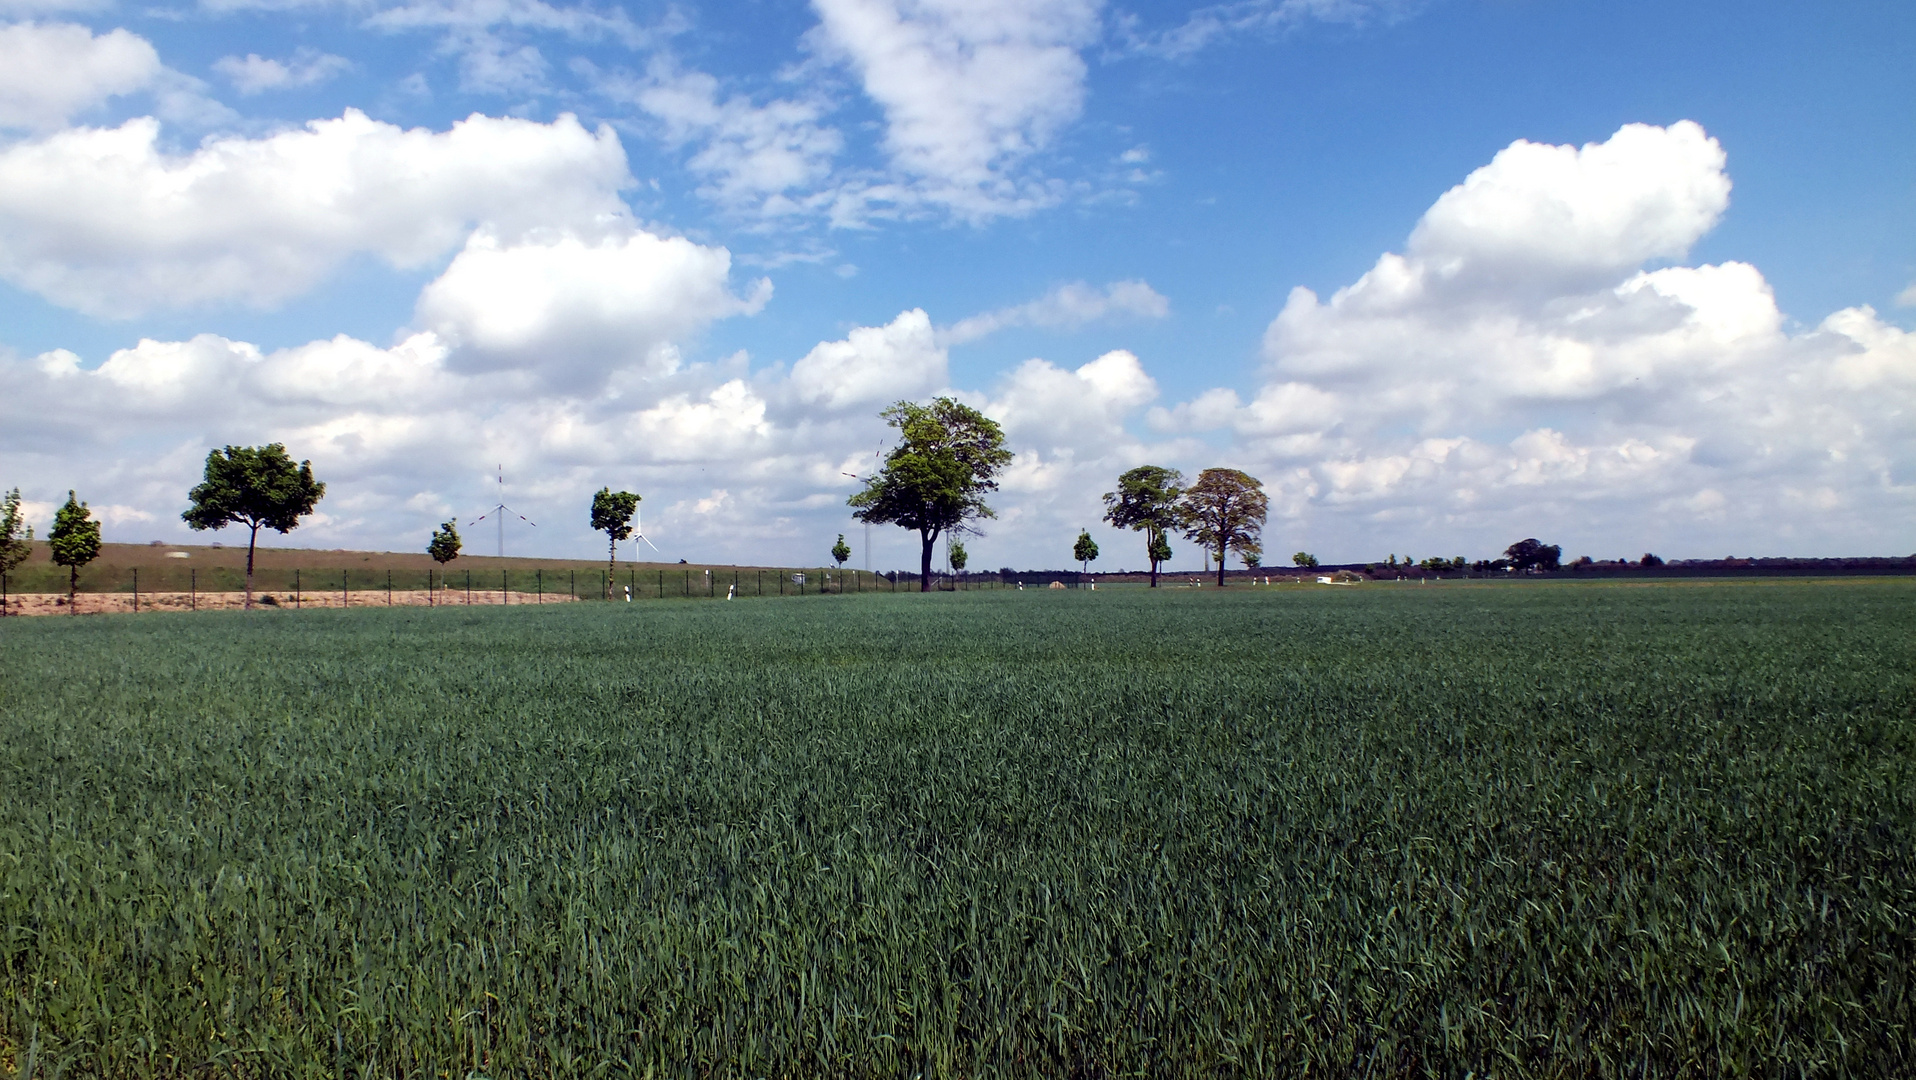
(611, 561)
(924, 561)
(251, 539)
(73, 589)
(1222, 545)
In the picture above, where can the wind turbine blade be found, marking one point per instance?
(650, 544)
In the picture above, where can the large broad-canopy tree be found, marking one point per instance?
(75, 540)
(1147, 501)
(1532, 554)
(935, 480)
(253, 486)
(1225, 510)
(612, 515)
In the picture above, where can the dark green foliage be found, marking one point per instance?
(445, 544)
(75, 542)
(841, 550)
(612, 515)
(1085, 551)
(958, 556)
(253, 486)
(1304, 559)
(935, 480)
(1550, 830)
(16, 536)
(1225, 510)
(1533, 554)
(1147, 501)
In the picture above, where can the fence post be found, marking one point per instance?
(575, 584)
(296, 589)
(661, 584)
(504, 596)
(136, 590)
(345, 594)
(389, 588)
(468, 588)
(539, 583)
(193, 589)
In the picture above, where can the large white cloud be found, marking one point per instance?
(106, 222)
(1517, 369)
(1571, 214)
(52, 71)
(970, 90)
(573, 309)
(873, 365)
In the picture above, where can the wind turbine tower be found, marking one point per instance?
(499, 512)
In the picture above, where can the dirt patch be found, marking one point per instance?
(125, 603)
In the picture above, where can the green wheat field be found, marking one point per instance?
(1503, 829)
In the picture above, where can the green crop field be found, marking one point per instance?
(1515, 830)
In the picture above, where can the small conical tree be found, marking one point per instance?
(841, 550)
(445, 543)
(75, 540)
(612, 515)
(16, 539)
(1085, 551)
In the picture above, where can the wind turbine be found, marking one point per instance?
(638, 528)
(499, 512)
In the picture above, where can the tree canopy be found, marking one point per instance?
(1147, 501)
(841, 550)
(1085, 551)
(16, 536)
(1531, 554)
(445, 544)
(253, 486)
(935, 480)
(75, 540)
(1225, 510)
(612, 515)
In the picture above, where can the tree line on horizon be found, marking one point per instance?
(933, 482)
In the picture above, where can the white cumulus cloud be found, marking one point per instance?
(970, 89)
(108, 223)
(574, 309)
(1518, 368)
(873, 365)
(50, 72)
(254, 74)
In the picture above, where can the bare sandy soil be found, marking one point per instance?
(123, 603)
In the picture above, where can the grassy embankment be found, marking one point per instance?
(1516, 829)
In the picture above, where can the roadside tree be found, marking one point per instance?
(253, 486)
(612, 515)
(1225, 511)
(1085, 551)
(935, 480)
(841, 551)
(75, 540)
(445, 543)
(956, 552)
(1304, 559)
(16, 539)
(1147, 501)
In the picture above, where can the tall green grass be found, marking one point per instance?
(1508, 830)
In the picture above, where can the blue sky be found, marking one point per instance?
(1685, 329)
